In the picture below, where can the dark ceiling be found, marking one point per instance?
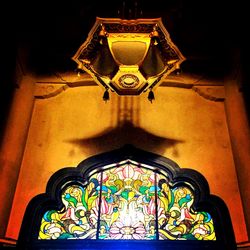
(206, 32)
(210, 34)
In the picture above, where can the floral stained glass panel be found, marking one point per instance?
(176, 218)
(128, 210)
(130, 202)
(79, 216)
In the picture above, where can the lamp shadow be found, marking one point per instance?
(126, 133)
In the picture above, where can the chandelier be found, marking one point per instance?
(128, 57)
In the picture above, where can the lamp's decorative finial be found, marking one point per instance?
(106, 95)
(151, 95)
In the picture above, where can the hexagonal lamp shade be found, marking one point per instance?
(128, 56)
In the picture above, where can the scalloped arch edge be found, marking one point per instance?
(73, 175)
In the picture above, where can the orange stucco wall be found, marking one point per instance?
(180, 124)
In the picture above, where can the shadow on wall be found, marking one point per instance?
(126, 133)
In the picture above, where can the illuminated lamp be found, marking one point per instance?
(128, 57)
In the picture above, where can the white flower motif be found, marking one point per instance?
(120, 231)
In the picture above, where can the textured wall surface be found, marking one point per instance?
(187, 125)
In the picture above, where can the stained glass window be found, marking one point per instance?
(129, 201)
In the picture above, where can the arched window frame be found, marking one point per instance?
(51, 199)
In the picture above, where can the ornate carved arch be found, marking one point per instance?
(123, 199)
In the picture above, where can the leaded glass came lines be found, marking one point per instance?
(127, 201)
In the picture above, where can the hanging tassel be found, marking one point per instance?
(151, 96)
(78, 71)
(178, 70)
(106, 95)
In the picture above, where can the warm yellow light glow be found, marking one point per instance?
(129, 48)
(128, 56)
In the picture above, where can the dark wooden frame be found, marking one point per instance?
(51, 199)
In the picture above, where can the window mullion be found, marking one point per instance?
(156, 207)
(100, 205)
